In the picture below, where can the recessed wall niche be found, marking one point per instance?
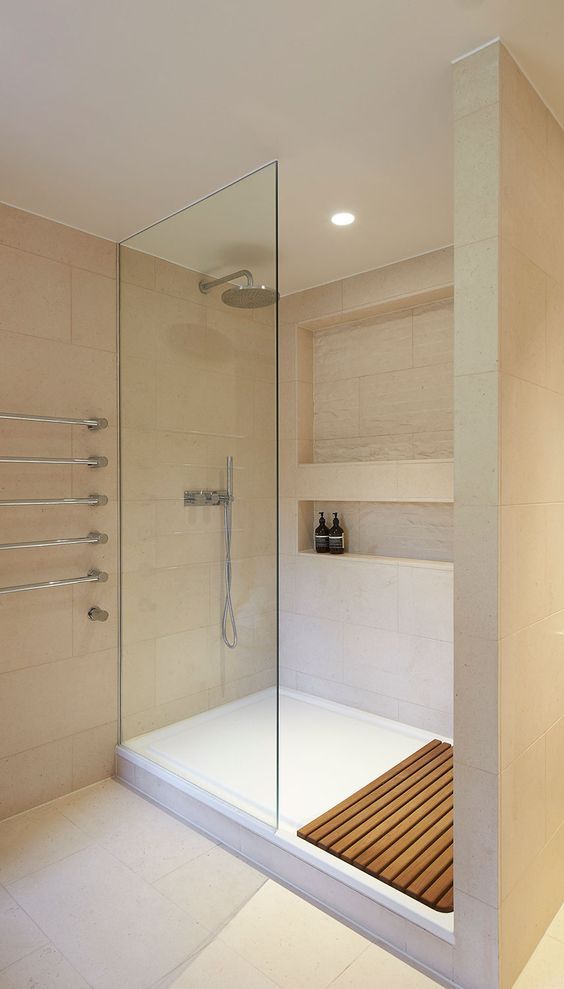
(398, 530)
(378, 387)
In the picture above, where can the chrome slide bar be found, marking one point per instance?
(91, 577)
(91, 423)
(93, 499)
(92, 537)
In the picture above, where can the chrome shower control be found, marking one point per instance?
(207, 497)
(98, 615)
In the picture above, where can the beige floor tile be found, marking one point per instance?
(143, 837)
(217, 967)
(35, 839)
(545, 970)
(377, 967)
(18, 934)
(116, 930)
(212, 887)
(43, 969)
(291, 941)
(556, 929)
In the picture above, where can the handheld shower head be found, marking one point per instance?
(249, 296)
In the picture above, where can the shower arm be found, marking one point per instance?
(205, 287)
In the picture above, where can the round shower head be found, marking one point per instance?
(249, 296)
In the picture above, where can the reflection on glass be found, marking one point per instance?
(198, 311)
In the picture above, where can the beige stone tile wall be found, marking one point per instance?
(509, 509)
(198, 383)
(343, 633)
(383, 387)
(375, 635)
(476, 509)
(58, 670)
(531, 616)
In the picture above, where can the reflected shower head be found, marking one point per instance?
(249, 296)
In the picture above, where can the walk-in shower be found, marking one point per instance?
(203, 708)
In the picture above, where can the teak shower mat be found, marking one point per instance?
(399, 827)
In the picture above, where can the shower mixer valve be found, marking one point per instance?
(207, 497)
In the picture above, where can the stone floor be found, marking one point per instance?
(102, 889)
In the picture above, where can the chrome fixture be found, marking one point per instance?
(203, 498)
(90, 423)
(91, 577)
(92, 537)
(228, 613)
(89, 461)
(222, 497)
(93, 499)
(98, 615)
(249, 296)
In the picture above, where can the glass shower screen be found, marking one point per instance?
(198, 331)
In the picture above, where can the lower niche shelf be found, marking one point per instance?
(399, 827)
(392, 560)
(382, 531)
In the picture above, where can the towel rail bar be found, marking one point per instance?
(91, 577)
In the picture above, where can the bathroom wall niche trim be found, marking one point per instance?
(393, 304)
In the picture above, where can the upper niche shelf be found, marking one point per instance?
(393, 480)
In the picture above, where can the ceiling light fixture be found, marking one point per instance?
(342, 219)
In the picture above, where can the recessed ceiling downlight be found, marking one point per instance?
(342, 219)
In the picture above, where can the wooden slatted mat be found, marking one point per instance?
(399, 827)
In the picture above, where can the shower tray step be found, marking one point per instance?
(398, 828)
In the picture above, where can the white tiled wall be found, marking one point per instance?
(375, 635)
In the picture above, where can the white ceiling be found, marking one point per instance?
(115, 113)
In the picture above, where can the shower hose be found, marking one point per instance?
(228, 619)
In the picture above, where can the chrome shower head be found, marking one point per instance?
(249, 296)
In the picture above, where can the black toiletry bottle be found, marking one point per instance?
(336, 536)
(322, 536)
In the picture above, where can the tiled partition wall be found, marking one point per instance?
(58, 670)
(197, 384)
(373, 634)
(509, 519)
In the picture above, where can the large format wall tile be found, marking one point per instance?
(341, 637)
(58, 671)
(197, 385)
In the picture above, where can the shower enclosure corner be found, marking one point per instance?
(199, 503)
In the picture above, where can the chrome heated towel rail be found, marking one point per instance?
(90, 423)
(93, 499)
(92, 576)
(89, 461)
(92, 537)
